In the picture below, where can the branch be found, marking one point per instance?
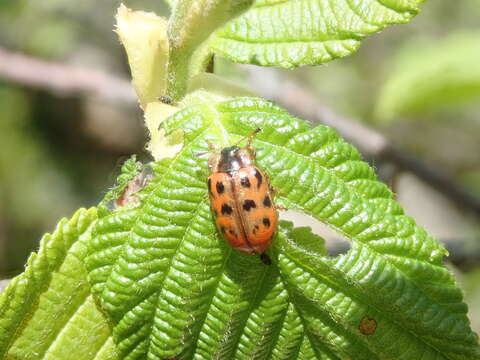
(371, 143)
(62, 79)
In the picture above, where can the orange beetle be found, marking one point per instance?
(242, 200)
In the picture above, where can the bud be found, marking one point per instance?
(144, 36)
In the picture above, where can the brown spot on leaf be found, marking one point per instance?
(367, 326)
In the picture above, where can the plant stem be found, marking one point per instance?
(191, 24)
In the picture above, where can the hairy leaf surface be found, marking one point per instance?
(48, 312)
(290, 33)
(174, 288)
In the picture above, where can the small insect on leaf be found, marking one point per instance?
(166, 99)
(128, 197)
(241, 199)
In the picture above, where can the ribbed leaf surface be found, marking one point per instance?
(290, 33)
(173, 288)
(47, 312)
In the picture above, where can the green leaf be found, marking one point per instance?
(47, 312)
(129, 170)
(429, 78)
(284, 33)
(171, 3)
(289, 33)
(173, 288)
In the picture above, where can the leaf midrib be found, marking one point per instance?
(169, 267)
(165, 174)
(64, 327)
(331, 37)
(214, 291)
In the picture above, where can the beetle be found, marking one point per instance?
(241, 199)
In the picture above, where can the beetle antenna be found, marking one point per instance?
(201, 153)
(249, 137)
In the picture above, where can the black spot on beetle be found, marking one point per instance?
(215, 212)
(245, 182)
(209, 182)
(220, 187)
(267, 202)
(226, 209)
(259, 178)
(266, 222)
(249, 204)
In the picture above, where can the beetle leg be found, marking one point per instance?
(276, 191)
(273, 189)
(253, 151)
(211, 148)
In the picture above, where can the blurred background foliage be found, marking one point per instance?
(418, 84)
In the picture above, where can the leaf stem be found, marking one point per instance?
(190, 26)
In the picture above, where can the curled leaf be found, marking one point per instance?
(144, 36)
